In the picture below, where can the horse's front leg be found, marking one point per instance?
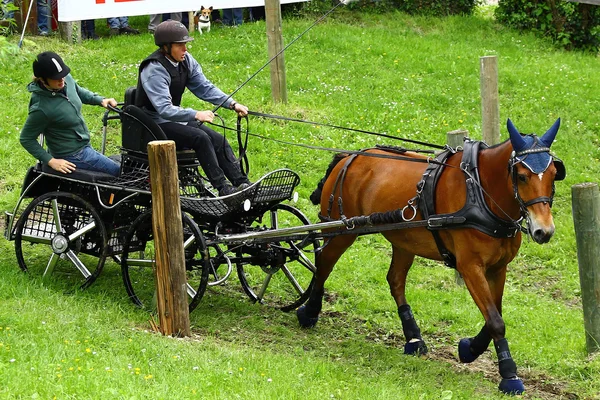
(487, 290)
(308, 314)
(396, 277)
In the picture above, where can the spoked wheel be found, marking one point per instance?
(279, 273)
(60, 232)
(220, 265)
(138, 262)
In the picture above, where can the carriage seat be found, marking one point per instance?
(138, 129)
(79, 174)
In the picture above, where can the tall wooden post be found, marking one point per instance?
(191, 24)
(490, 109)
(455, 139)
(275, 45)
(171, 293)
(586, 218)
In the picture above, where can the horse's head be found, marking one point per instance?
(533, 170)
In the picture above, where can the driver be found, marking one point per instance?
(163, 77)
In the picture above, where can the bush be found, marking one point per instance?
(569, 25)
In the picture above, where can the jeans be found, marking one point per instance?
(88, 158)
(233, 16)
(212, 150)
(118, 22)
(43, 15)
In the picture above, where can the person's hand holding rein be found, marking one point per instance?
(108, 102)
(240, 109)
(60, 165)
(205, 116)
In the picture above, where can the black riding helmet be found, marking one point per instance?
(49, 65)
(170, 31)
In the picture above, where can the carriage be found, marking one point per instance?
(72, 223)
(466, 207)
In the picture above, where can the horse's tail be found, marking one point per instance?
(315, 197)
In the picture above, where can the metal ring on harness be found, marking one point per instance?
(414, 211)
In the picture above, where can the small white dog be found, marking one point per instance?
(202, 19)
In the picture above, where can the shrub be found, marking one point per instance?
(569, 25)
(421, 7)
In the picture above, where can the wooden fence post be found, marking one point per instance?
(490, 109)
(275, 45)
(455, 139)
(586, 218)
(70, 31)
(171, 286)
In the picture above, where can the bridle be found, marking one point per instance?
(516, 158)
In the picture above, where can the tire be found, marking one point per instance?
(285, 280)
(61, 232)
(137, 262)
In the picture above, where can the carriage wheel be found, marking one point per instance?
(137, 262)
(284, 275)
(60, 232)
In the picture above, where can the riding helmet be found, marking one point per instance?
(171, 32)
(49, 65)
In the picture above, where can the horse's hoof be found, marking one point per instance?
(511, 386)
(416, 348)
(304, 320)
(464, 351)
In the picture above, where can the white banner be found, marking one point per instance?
(75, 10)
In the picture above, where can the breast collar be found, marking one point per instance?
(475, 212)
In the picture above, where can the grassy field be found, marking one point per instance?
(413, 77)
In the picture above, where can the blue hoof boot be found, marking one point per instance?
(305, 321)
(464, 351)
(511, 386)
(417, 348)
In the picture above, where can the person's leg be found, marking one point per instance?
(113, 24)
(155, 19)
(238, 16)
(228, 16)
(125, 28)
(190, 137)
(227, 160)
(176, 16)
(90, 159)
(43, 17)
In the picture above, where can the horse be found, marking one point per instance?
(475, 202)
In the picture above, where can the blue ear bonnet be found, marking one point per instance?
(534, 152)
(534, 156)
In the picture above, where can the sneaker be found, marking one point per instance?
(127, 30)
(114, 32)
(44, 33)
(226, 190)
(244, 185)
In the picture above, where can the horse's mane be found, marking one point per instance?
(315, 197)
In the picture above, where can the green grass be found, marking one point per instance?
(413, 77)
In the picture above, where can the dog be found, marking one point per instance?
(202, 19)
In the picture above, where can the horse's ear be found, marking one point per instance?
(516, 139)
(549, 136)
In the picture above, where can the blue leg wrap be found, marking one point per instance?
(464, 351)
(512, 386)
(417, 348)
(411, 332)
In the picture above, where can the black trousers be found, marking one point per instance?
(212, 149)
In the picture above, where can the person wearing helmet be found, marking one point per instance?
(55, 111)
(163, 77)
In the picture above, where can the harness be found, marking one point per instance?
(475, 212)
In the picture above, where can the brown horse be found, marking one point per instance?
(514, 182)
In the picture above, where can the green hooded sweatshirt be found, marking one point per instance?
(58, 116)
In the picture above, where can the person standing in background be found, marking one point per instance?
(155, 19)
(120, 26)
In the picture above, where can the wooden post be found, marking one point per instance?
(490, 109)
(454, 139)
(171, 293)
(275, 45)
(586, 218)
(21, 14)
(192, 25)
(70, 32)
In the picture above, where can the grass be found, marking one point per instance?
(414, 77)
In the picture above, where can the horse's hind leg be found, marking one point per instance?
(308, 314)
(396, 277)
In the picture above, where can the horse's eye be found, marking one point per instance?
(522, 178)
